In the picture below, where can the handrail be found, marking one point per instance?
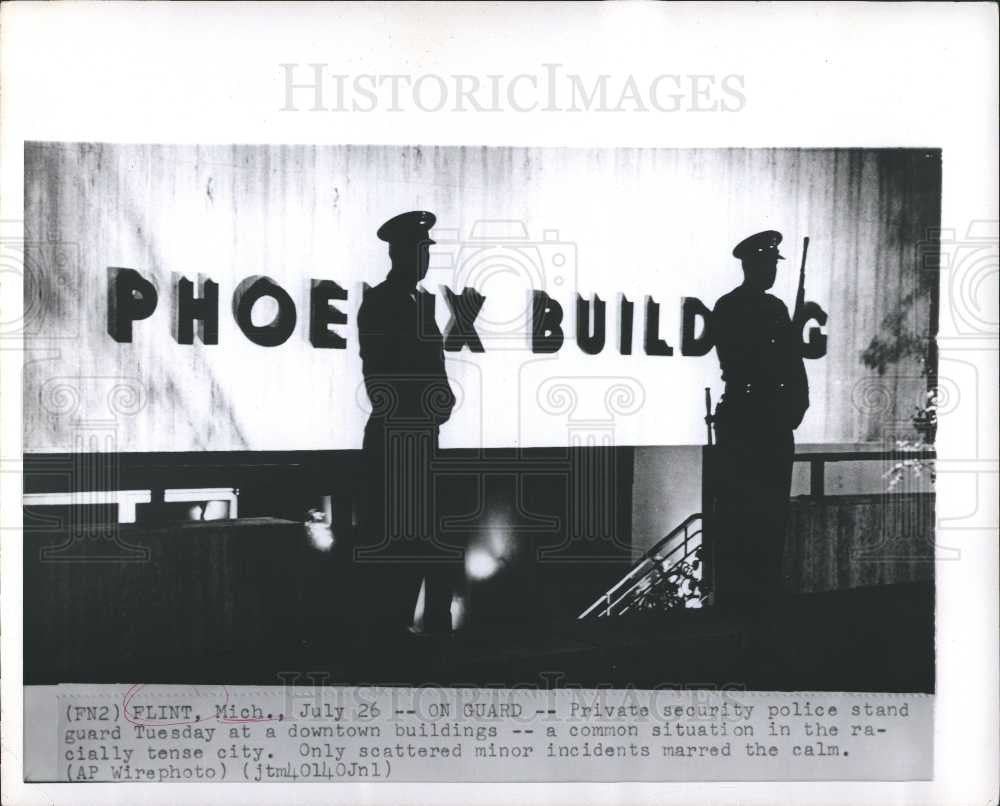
(668, 574)
(861, 455)
(645, 564)
(819, 459)
(687, 553)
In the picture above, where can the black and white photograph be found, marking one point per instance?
(465, 416)
(553, 402)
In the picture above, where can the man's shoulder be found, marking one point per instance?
(376, 292)
(733, 303)
(776, 303)
(738, 305)
(374, 299)
(727, 300)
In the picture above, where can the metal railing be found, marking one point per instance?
(686, 539)
(818, 460)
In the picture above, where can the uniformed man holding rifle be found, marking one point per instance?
(766, 396)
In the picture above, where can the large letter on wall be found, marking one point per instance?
(546, 316)
(653, 344)
(131, 297)
(815, 347)
(322, 314)
(691, 345)
(280, 328)
(590, 344)
(461, 330)
(188, 308)
(625, 329)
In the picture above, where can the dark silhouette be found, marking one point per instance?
(403, 363)
(766, 396)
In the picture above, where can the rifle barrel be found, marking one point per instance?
(800, 296)
(708, 413)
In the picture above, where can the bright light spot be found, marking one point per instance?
(216, 511)
(418, 608)
(320, 535)
(457, 612)
(497, 542)
(480, 564)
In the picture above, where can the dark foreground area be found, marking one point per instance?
(89, 618)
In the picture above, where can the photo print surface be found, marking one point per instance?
(481, 416)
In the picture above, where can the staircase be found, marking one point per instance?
(657, 568)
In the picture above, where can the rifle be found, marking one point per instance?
(800, 296)
(709, 419)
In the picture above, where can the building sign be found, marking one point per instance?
(573, 288)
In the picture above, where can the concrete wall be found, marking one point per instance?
(666, 489)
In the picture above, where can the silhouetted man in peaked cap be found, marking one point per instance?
(402, 358)
(766, 396)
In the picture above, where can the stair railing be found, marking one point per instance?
(684, 538)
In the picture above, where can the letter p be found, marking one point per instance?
(131, 297)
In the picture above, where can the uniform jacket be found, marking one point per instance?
(761, 359)
(402, 357)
